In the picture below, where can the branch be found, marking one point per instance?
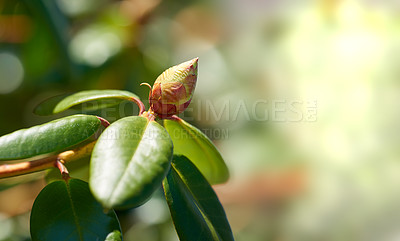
(9, 170)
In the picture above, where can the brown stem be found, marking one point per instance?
(103, 121)
(140, 104)
(63, 169)
(9, 170)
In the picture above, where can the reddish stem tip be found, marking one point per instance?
(103, 121)
(63, 170)
(140, 105)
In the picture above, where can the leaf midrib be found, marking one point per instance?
(198, 205)
(30, 142)
(74, 213)
(111, 197)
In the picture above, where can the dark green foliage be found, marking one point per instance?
(50, 137)
(195, 208)
(66, 210)
(129, 161)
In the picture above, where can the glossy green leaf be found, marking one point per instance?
(129, 161)
(68, 211)
(195, 208)
(114, 236)
(85, 100)
(53, 136)
(191, 142)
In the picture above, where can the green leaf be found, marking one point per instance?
(195, 208)
(85, 100)
(114, 236)
(66, 210)
(191, 142)
(53, 136)
(129, 161)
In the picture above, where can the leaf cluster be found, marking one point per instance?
(130, 159)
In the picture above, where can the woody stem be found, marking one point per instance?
(21, 168)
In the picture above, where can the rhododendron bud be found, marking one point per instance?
(173, 89)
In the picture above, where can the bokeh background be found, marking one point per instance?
(301, 97)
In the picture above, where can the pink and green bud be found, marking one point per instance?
(173, 89)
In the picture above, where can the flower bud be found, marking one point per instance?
(173, 89)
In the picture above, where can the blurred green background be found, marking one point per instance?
(301, 97)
